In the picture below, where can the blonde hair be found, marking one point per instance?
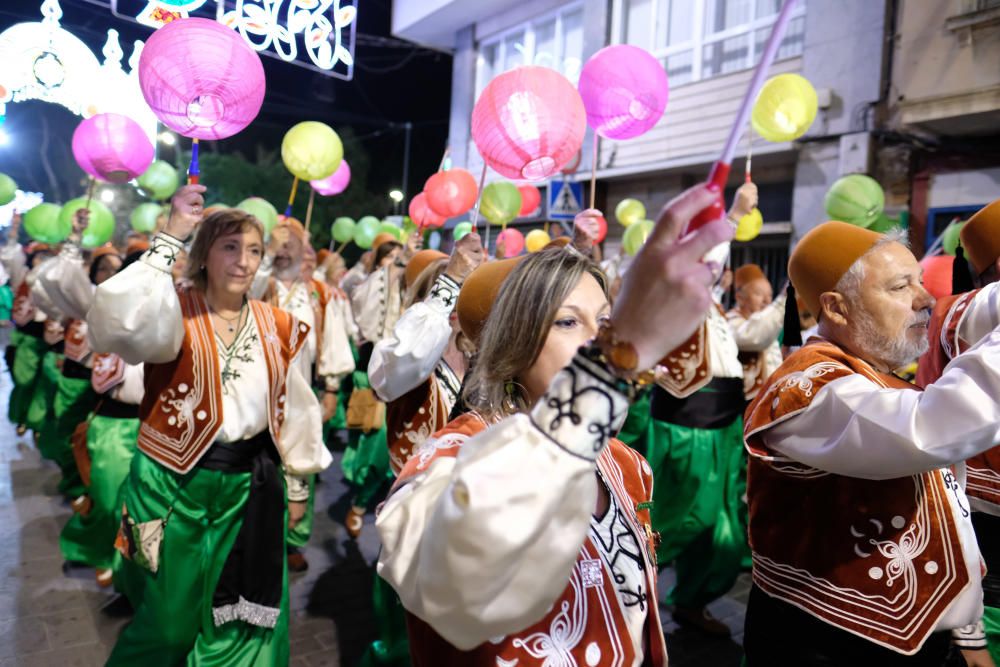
(518, 326)
(212, 228)
(421, 287)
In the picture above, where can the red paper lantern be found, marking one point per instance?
(528, 123)
(531, 198)
(602, 229)
(422, 214)
(937, 274)
(451, 193)
(513, 242)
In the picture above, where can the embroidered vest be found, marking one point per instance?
(423, 411)
(108, 372)
(585, 625)
(181, 411)
(23, 310)
(881, 559)
(319, 296)
(687, 368)
(76, 349)
(983, 470)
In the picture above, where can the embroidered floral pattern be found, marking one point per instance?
(240, 353)
(554, 648)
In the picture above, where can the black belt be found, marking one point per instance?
(365, 356)
(249, 587)
(33, 328)
(987, 529)
(717, 405)
(75, 370)
(109, 407)
(58, 347)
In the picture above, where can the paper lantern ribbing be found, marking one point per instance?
(112, 147)
(42, 223)
(159, 181)
(536, 240)
(461, 230)
(365, 231)
(531, 199)
(335, 183)
(262, 210)
(8, 189)
(528, 123)
(451, 193)
(423, 215)
(143, 218)
(101, 226)
(785, 108)
(937, 274)
(749, 226)
(311, 150)
(342, 230)
(513, 242)
(856, 199)
(624, 90)
(635, 236)
(201, 79)
(500, 203)
(629, 211)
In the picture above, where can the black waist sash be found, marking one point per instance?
(109, 407)
(33, 328)
(987, 529)
(249, 588)
(75, 370)
(717, 405)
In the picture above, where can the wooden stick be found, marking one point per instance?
(593, 174)
(90, 191)
(475, 211)
(309, 208)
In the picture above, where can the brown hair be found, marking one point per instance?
(519, 324)
(212, 228)
(421, 287)
(383, 251)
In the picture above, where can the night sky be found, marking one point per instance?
(391, 86)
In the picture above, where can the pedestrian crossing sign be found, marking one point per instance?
(565, 200)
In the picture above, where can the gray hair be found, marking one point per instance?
(850, 283)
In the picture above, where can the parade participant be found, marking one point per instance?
(693, 441)
(377, 305)
(520, 533)
(70, 288)
(203, 525)
(863, 550)
(358, 273)
(327, 354)
(957, 323)
(756, 322)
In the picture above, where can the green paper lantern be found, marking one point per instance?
(461, 230)
(856, 199)
(950, 237)
(262, 210)
(8, 189)
(365, 231)
(342, 230)
(143, 218)
(102, 221)
(635, 236)
(42, 223)
(389, 228)
(159, 181)
(500, 203)
(630, 211)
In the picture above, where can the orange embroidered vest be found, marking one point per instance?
(686, 369)
(588, 611)
(418, 414)
(181, 411)
(881, 559)
(983, 470)
(320, 294)
(76, 347)
(23, 310)
(108, 372)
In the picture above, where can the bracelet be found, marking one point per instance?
(621, 360)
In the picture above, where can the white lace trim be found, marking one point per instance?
(248, 612)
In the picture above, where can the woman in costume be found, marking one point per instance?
(225, 408)
(520, 533)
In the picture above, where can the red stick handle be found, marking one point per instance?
(717, 209)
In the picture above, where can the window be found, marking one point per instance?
(552, 40)
(699, 39)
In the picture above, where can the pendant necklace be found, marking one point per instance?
(230, 321)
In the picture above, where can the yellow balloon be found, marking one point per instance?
(536, 239)
(311, 150)
(630, 211)
(749, 226)
(785, 108)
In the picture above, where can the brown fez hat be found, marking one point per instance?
(824, 255)
(419, 262)
(478, 293)
(747, 274)
(981, 237)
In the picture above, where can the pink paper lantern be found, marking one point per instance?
(451, 193)
(111, 147)
(624, 90)
(335, 183)
(201, 79)
(531, 198)
(422, 215)
(513, 241)
(937, 274)
(528, 123)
